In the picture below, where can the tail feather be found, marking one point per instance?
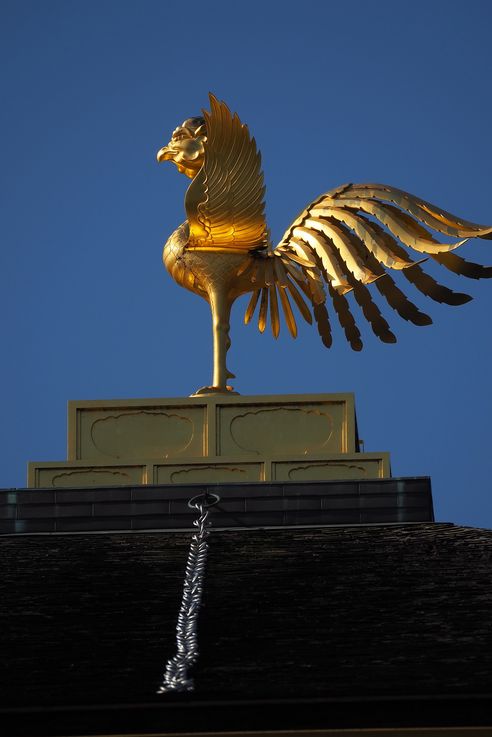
(431, 288)
(300, 304)
(274, 316)
(362, 294)
(387, 287)
(250, 309)
(288, 314)
(459, 265)
(400, 302)
(373, 314)
(262, 317)
(323, 324)
(346, 319)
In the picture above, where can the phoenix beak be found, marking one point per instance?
(165, 154)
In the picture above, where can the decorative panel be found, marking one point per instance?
(337, 467)
(136, 429)
(62, 475)
(210, 439)
(216, 472)
(283, 428)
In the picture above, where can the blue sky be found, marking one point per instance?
(395, 92)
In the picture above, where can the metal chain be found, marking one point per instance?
(176, 674)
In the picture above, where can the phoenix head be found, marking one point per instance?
(186, 147)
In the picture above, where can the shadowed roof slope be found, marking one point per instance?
(330, 613)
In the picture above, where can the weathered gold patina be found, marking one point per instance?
(343, 241)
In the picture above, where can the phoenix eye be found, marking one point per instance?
(181, 133)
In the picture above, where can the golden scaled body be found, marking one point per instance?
(341, 243)
(214, 276)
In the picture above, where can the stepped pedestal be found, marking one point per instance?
(213, 439)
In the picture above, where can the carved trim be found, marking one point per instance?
(97, 471)
(316, 446)
(362, 471)
(199, 469)
(167, 449)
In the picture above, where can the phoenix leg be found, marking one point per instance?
(220, 306)
(221, 310)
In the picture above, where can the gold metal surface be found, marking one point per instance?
(210, 439)
(342, 242)
(215, 470)
(226, 426)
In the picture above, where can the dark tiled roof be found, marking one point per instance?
(330, 613)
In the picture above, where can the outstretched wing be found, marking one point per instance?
(348, 238)
(225, 202)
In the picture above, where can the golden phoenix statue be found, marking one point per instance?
(341, 242)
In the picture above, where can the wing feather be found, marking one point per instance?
(225, 201)
(354, 233)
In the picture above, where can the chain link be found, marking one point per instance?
(176, 678)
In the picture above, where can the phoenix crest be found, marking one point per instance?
(345, 240)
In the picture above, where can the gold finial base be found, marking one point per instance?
(214, 437)
(208, 391)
